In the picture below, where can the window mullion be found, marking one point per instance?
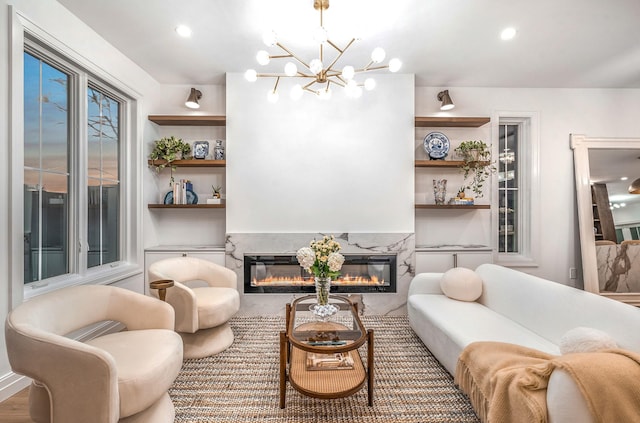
(80, 171)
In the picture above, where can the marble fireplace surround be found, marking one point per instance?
(400, 244)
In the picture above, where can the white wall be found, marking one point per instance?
(593, 112)
(58, 23)
(320, 166)
(184, 227)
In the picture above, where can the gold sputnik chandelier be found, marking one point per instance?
(319, 79)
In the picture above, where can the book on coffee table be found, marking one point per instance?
(333, 361)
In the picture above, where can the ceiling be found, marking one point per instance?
(559, 43)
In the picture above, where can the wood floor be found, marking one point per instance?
(16, 408)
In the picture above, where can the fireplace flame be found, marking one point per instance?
(299, 281)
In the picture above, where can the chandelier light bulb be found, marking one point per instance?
(320, 35)
(272, 96)
(377, 55)
(290, 69)
(296, 92)
(263, 57)
(394, 65)
(251, 75)
(369, 84)
(269, 38)
(315, 66)
(348, 72)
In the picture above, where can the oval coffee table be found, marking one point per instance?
(320, 358)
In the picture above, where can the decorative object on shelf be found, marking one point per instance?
(476, 165)
(320, 76)
(436, 145)
(192, 100)
(216, 198)
(440, 190)
(218, 151)
(322, 259)
(445, 98)
(166, 150)
(200, 149)
(191, 197)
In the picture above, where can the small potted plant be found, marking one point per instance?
(166, 150)
(215, 195)
(476, 165)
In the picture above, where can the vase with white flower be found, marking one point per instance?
(323, 260)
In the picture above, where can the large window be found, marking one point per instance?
(73, 126)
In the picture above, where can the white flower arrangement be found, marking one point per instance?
(321, 258)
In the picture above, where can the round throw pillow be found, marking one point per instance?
(461, 284)
(582, 339)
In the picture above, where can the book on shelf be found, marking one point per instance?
(461, 201)
(333, 361)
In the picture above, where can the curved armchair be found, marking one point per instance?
(202, 312)
(121, 376)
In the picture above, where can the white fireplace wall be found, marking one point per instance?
(343, 165)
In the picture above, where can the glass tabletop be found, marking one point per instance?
(342, 331)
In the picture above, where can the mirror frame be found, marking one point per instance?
(581, 146)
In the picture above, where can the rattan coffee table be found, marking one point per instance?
(343, 333)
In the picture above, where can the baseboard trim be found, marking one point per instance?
(11, 384)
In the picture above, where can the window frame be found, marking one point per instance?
(528, 189)
(24, 33)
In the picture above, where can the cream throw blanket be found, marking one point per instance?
(507, 382)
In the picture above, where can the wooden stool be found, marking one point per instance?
(161, 285)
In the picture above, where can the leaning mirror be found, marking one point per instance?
(609, 215)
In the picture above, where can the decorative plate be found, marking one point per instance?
(192, 197)
(436, 144)
(200, 149)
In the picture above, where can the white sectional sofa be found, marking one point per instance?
(520, 309)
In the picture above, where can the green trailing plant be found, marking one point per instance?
(476, 165)
(166, 150)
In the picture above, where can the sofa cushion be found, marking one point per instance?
(461, 284)
(447, 326)
(583, 339)
(148, 362)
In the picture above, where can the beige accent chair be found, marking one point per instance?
(118, 377)
(205, 297)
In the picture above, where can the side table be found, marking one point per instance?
(161, 285)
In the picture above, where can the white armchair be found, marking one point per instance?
(120, 376)
(204, 297)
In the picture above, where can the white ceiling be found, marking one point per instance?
(560, 43)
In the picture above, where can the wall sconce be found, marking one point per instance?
(634, 188)
(444, 97)
(192, 101)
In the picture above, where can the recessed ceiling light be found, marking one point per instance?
(183, 31)
(624, 178)
(508, 33)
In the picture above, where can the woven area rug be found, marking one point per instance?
(241, 383)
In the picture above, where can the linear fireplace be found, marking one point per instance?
(282, 274)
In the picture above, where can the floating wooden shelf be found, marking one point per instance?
(453, 206)
(450, 121)
(190, 163)
(442, 163)
(185, 206)
(188, 120)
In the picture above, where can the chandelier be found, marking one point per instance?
(318, 78)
